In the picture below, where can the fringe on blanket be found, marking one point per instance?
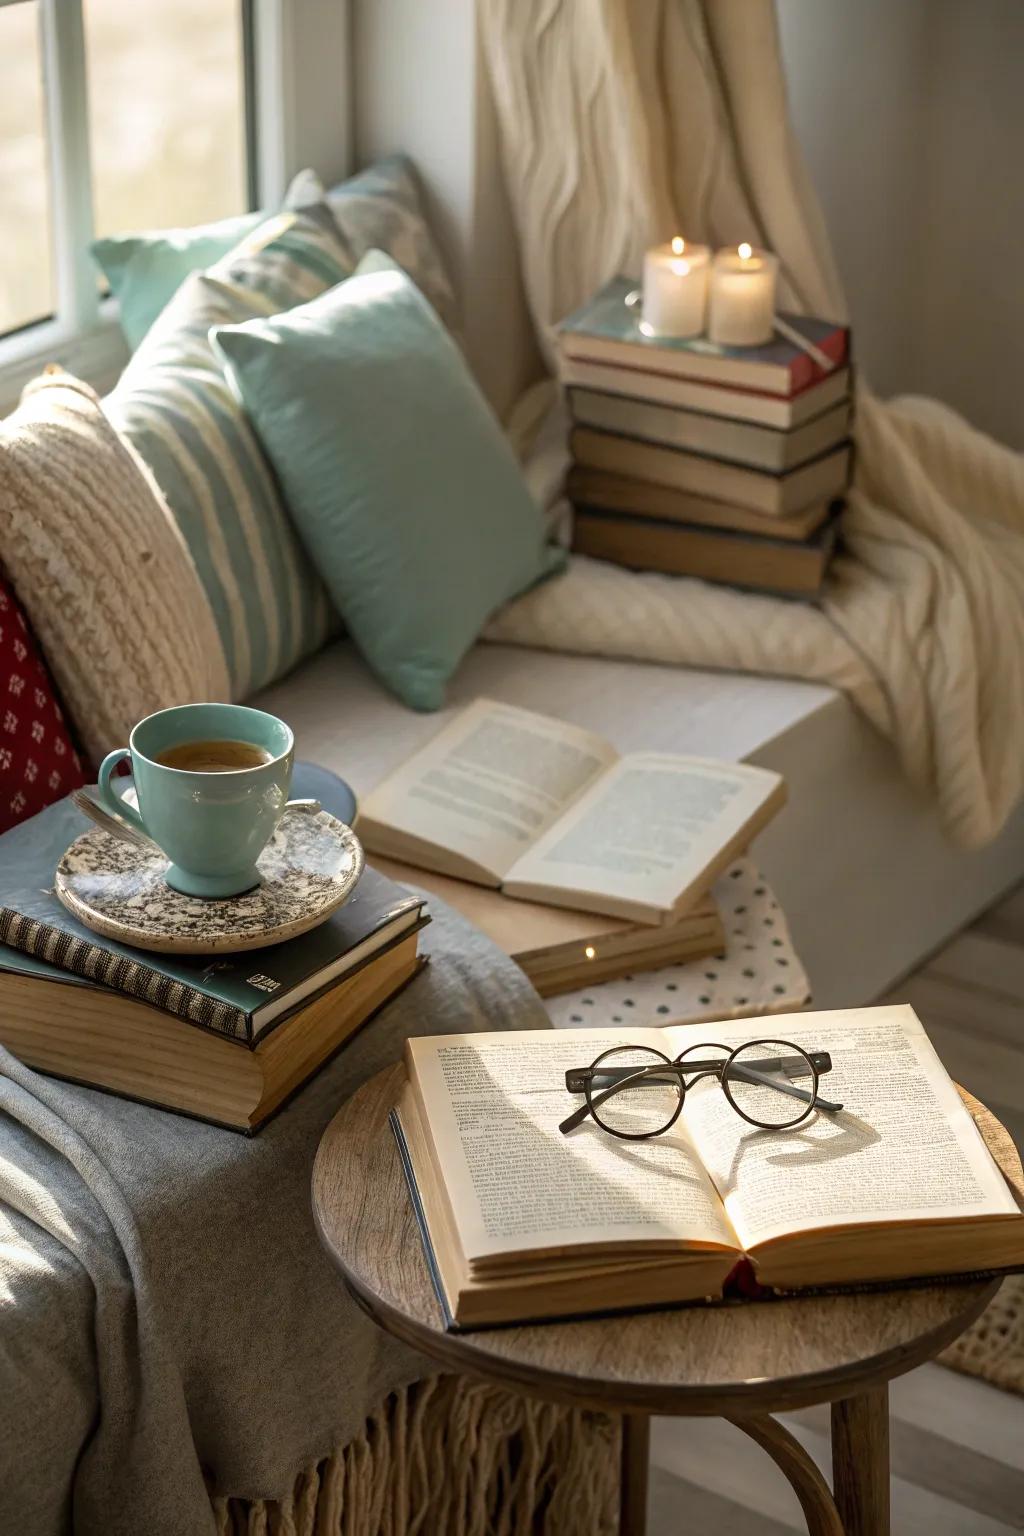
(453, 1456)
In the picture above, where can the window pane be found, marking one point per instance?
(26, 275)
(167, 112)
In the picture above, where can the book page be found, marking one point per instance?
(493, 1104)
(649, 830)
(903, 1146)
(486, 786)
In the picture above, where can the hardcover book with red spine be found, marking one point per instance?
(607, 330)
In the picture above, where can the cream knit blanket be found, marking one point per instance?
(921, 624)
(622, 123)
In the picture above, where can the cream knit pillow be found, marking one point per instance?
(100, 567)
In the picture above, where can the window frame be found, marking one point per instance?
(83, 334)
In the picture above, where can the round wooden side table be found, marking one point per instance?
(740, 1363)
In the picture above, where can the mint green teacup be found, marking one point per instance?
(214, 823)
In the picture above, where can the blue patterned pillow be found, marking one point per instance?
(177, 409)
(382, 209)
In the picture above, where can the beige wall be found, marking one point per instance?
(419, 87)
(911, 115)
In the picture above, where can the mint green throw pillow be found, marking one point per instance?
(399, 478)
(145, 270)
(381, 207)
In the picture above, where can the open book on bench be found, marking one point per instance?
(551, 813)
(524, 1222)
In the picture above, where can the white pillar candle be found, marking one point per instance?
(741, 305)
(675, 288)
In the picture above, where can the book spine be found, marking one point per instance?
(261, 1032)
(123, 974)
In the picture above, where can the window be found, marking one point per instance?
(166, 112)
(26, 275)
(114, 115)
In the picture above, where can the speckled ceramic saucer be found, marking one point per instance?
(309, 868)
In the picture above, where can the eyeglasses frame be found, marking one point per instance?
(580, 1080)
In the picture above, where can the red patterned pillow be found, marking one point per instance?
(38, 763)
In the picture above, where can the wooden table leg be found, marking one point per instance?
(801, 1472)
(636, 1446)
(860, 1462)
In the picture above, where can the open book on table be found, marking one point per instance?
(522, 1222)
(551, 813)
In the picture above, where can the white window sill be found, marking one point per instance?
(96, 355)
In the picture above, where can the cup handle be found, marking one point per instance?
(114, 802)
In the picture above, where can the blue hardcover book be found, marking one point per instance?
(241, 997)
(607, 330)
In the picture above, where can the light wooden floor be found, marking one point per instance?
(957, 1444)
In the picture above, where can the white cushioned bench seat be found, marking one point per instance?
(867, 879)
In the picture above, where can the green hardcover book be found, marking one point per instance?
(715, 437)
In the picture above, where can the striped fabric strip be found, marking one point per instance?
(135, 977)
(175, 406)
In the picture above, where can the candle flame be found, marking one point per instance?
(590, 952)
(680, 268)
(745, 251)
(678, 245)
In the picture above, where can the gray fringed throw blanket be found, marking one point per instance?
(165, 1306)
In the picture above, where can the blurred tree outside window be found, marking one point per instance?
(26, 265)
(165, 85)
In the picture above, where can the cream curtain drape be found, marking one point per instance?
(623, 121)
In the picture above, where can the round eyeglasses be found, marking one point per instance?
(636, 1092)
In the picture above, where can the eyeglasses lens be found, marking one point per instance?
(643, 1103)
(759, 1080)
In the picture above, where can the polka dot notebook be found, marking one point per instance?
(758, 973)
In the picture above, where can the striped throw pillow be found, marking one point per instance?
(174, 405)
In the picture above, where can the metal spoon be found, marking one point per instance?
(117, 826)
(86, 801)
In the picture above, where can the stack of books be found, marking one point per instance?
(697, 459)
(561, 949)
(580, 864)
(226, 1037)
